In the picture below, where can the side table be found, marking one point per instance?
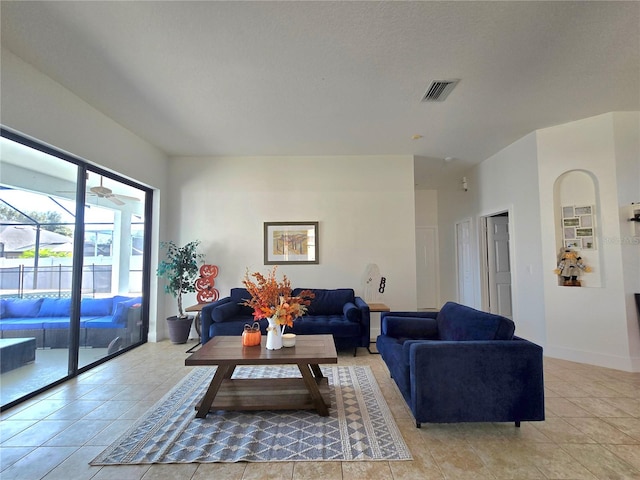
(196, 308)
(377, 307)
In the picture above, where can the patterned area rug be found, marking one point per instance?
(359, 427)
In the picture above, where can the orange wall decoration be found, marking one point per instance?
(205, 284)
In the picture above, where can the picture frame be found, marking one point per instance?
(578, 225)
(291, 243)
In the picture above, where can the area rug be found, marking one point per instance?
(359, 427)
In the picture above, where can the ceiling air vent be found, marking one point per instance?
(438, 90)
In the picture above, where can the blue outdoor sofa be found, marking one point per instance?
(333, 311)
(462, 365)
(47, 320)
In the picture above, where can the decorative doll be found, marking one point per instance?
(569, 267)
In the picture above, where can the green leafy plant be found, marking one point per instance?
(180, 270)
(44, 252)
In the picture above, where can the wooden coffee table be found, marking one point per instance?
(311, 392)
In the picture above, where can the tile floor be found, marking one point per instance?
(592, 430)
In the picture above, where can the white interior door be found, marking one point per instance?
(499, 266)
(464, 263)
(427, 267)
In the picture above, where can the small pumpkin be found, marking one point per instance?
(251, 335)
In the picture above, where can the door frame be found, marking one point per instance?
(484, 257)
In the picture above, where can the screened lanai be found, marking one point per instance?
(73, 266)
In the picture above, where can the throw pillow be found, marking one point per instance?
(55, 307)
(22, 308)
(96, 307)
(351, 312)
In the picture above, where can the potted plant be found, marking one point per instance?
(180, 270)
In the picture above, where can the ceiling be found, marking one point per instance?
(336, 78)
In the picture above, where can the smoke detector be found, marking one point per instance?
(439, 90)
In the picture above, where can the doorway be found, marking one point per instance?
(497, 291)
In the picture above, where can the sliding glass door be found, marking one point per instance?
(112, 268)
(74, 269)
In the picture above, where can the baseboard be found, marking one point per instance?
(627, 364)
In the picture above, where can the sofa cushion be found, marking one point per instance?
(461, 323)
(335, 325)
(55, 307)
(22, 324)
(351, 312)
(229, 312)
(122, 309)
(239, 296)
(327, 302)
(97, 307)
(116, 300)
(22, 308)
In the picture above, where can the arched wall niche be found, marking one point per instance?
(577, 219)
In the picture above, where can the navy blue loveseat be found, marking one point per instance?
(47, 320)
(337, 312)
(462, 365)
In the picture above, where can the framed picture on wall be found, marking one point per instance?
(578, 227)
(583, 211)
(575, 243)
(569, 233)
(290, 243)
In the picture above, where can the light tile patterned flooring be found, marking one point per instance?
(592, 430)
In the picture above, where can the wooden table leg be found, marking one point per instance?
(315, 368)
(222, 372)
(312, 386)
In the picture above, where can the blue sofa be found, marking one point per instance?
(47, 320)
(462, 365)
(337, 312)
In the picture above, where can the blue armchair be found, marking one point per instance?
(462, 365)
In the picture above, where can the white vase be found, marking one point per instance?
(274, 335)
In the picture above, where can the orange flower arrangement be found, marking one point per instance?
(270, 298)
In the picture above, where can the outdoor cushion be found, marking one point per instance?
(116, 300)
(97, 307)
(22, 308)
(101, 322)
(55, 307)
(22, 324)
(122, 309)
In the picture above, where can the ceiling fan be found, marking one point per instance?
(104, 192)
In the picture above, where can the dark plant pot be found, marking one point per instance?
(179, 329)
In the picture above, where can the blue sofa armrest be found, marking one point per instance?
(365, 321)
(418, 327)
(206, 318)
(476, 381)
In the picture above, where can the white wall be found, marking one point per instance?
(36, 106)
(426, 208)
(364, 206)
(593, 325)
(627, 147)
(507, 181)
